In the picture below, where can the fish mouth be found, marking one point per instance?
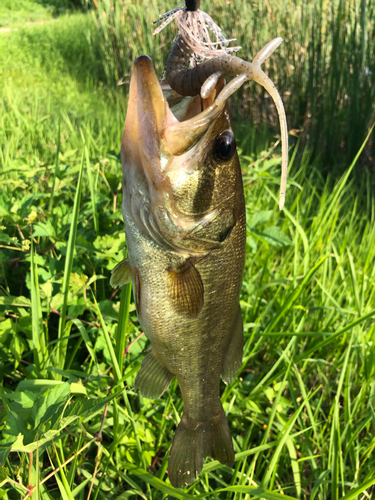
(153, 135)
(152, 139)
(152, 110)
(155, 119)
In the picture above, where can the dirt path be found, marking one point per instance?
(28, 23)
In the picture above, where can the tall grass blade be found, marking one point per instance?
(295, 466)
(50, 204)
(39, 341)
(120, 338)
(61, 352)
(63, 484)
(91, 183)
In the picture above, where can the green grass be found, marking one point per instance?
(301, 410)
(16, 12)
(324, 68)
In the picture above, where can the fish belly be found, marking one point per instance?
(192, 349)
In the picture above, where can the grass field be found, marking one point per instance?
(15, 13)
(301, 410)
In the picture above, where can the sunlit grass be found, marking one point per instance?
(14, 13)
(301, 410)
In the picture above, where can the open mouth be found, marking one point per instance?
(154, 142)
(179, 122)
(163, 131)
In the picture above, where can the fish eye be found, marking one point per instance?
(225, 146)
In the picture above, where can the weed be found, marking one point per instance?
(301, 407)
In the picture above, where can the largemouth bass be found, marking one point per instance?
(184, 215)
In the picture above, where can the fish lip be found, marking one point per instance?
(150, 98)
(142, 59)
(155, 116)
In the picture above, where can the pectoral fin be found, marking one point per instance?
(233, 356)
(153, 378)
(185, 290)
(121, 274)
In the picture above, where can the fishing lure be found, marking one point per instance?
(212, 61)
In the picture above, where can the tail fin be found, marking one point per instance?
(193, 442)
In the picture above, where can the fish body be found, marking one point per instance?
(184, 215)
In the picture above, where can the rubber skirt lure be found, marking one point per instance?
(197, 63)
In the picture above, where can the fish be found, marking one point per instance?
(185, 224)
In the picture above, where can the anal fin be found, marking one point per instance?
(121, 274)
(233, 357)
(153, 378)
(185, 289)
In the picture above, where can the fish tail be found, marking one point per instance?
(193, 442)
